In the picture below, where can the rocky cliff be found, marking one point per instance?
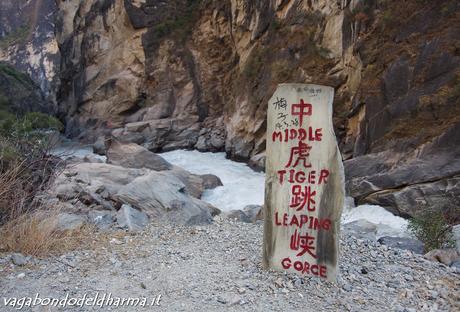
(198, 74)
(27, 41)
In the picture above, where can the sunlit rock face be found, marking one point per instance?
(198, 74)
(27, 41)
(183, 74)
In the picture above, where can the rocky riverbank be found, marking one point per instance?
(218, 266)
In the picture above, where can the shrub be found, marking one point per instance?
(433, 229)
(26, 165)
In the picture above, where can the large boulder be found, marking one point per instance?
(404, 183)
(446, 256)
(135, 156)
(161, 195)
(361, 229)
(69, 221)
(164, 198)
(131, 155)
(406, 243)
(254, 212)
(131, 219)
(238, 215)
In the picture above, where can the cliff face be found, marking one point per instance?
(172, 74)
(27, 41)
(198, 74)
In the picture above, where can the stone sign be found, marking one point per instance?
(304, 187)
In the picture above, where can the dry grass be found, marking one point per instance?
(37, 234)
(27, 225)
(13, 196)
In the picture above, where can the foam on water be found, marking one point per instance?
(387, 223)
(242, 186)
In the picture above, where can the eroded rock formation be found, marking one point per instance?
(198, 74)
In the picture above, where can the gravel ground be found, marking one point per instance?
(218, 267)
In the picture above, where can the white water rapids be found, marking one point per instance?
(243, 186)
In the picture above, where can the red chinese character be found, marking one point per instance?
(304, 243)
(302, 197)
(301, 109)
(301, 152)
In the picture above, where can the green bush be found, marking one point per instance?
(11, 125)
(432, 228)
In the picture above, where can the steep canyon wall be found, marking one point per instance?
(198, 74)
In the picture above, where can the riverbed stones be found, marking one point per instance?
(132, 155)
(238, 215)
(163, 196)
(102, 219)
(131, 219)
(446, 256)
(406, 243)
(210, 181)
(99, 147)
(204, 263)
(361, 229)
(254, 212)
(69, 221)
(160, 194)
(19, 259)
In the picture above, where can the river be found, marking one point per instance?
(243, 186)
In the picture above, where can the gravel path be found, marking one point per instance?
(217, 267)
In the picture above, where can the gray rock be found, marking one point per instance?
(361, 229)
(239, 148)
(19, 259)
(456, 236)
(446, 256)
(254, 212)
(217, 142)
(103, 220)
(131, 219)
(171, 133)
(69, 222)
(131, 155)
(92, 159)
(402, 181)
(135, 156)
(213, 210)
(455, 264)
(99, 146)
(163, 196)
(238, 215)
(131, 137)
(201, 144)
(257, 162)
(403, 243)
(67, 191)
(210, 181)
(193, 183)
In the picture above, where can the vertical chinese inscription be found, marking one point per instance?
(304, 189)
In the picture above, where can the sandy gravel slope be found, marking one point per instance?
(217, 267)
